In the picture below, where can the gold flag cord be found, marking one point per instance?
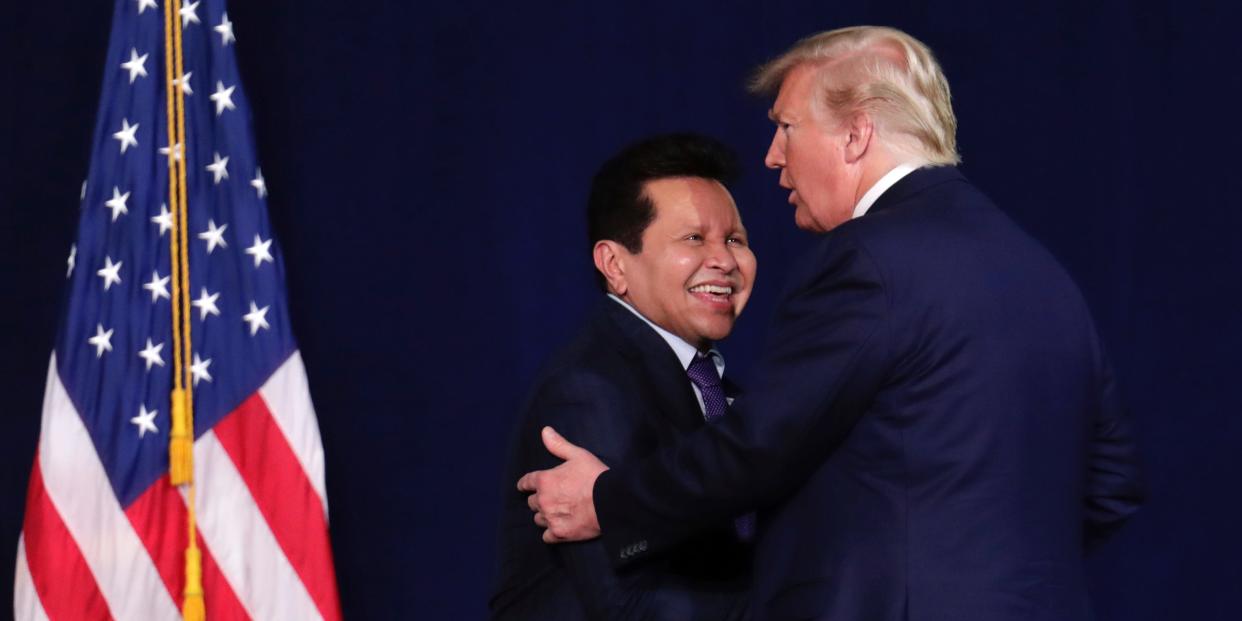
(181, 437)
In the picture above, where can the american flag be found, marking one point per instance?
(105, 532)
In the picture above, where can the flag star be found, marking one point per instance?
(135, 65)
(223, 97)
(199, 369)
(259, 183)
(110, 273)
(184, 83)
(256, 318)
(206, 304)
(151, 353)
(126, 135)
(102, 340)
(174, 151)
(158, 286)
(145, 4)
(219, 167)
(117, 203)
(260, 251)
(213, 236)
(73, 259)
(189, 13)
(145, 421)
(225, 29)
(164, 219)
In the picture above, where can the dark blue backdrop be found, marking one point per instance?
(428, 167)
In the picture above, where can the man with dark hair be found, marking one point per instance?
(672, 256)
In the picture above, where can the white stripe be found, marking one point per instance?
(79, 489)
(241, 540)
(287, 396)
(26, 604)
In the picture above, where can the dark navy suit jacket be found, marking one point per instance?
(619, 391)
(934, 432)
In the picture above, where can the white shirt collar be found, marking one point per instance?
(685, 352)
(873, 194)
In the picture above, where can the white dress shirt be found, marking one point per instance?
(893, 176)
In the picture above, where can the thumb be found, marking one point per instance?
(557, 445)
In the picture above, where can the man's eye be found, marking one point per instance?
(694, 237)
(737, 241)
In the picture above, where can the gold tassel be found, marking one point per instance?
(181, 442)
(193, 609)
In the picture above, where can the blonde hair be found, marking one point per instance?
(882, 71)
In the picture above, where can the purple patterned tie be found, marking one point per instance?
(703, 374)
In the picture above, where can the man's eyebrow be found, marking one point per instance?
(772, 115)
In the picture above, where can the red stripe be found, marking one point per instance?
(284, 496)
(218, 596)
(64, 582)
(159, 517)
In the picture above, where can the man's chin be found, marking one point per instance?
(804, 221)
(812, 226)
(716, 328)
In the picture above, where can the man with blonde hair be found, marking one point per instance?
(934, 433)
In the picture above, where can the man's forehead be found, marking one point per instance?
(784, 111)
(681, 198)
(787, 100)
(780, 111)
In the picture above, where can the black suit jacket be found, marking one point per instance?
(618, 390)
(933, 425)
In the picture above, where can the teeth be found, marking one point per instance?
(714, 289)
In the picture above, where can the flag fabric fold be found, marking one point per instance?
(105, 533)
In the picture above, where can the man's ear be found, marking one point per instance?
(861, 131)
(610, 261)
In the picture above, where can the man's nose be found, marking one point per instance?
(720, 257)
(776, 152)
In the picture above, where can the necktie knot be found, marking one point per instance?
(702, 372)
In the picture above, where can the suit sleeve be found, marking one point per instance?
(826, 358)
(1114, 484)
(589, 411)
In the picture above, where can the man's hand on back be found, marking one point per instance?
(561, 497)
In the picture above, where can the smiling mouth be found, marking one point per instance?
(718, 294)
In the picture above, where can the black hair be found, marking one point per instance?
(620, 210)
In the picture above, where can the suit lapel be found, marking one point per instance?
(660, 367)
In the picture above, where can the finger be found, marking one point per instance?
(558, 445)
(548, 537)
(532, 501)
(540, 520)
(529, 482)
